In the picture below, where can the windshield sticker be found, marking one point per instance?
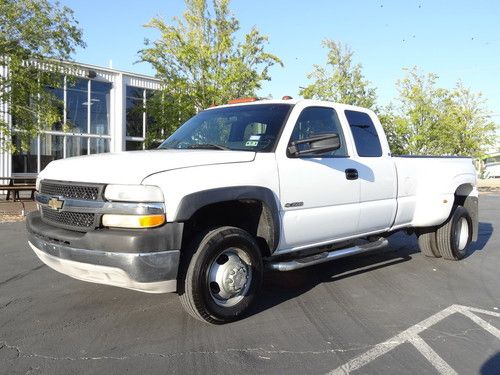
(254, 137)
(251, 143)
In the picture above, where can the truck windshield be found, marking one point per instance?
(246, 128)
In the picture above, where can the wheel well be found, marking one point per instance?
(461, 194)
(465, 198)
(253, 216)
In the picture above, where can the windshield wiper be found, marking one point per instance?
(208, 146)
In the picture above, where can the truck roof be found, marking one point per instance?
(306, 102)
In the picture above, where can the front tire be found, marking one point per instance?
(220, 279)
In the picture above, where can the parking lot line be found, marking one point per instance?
(439, 363)
(411, 335)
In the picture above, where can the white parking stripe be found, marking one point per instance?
(439, 363)
(411, 335)
(483, 323)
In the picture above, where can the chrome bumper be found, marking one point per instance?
(153, 272)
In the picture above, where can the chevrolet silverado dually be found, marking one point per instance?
(277, 184)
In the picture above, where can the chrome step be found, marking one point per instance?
(295, 264)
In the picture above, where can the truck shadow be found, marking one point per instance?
(485, 233)
(279, 287)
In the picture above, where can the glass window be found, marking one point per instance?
(153, 101)
(226, 128)
(315, 121)
(99, 145)
(51, 148)
(133, 145)
(58, 101)
(76, 146)
(77, 105)
(99, 107)
(134, 92)
(364, 133)
(24, 161)
(134, 112)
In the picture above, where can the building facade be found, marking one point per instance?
(103, 110)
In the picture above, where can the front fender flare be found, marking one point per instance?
(193, 202)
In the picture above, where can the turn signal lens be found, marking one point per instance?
(132, 221)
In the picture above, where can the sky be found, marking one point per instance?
(457, 40)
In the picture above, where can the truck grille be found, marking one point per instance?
(79, 221)
(71, 190)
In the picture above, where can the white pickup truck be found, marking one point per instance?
(282, 184)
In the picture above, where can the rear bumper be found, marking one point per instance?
(153, 271)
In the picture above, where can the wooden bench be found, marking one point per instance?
(17, 184)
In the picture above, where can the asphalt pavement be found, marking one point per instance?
(390, 312)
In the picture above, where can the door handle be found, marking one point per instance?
(351, 174)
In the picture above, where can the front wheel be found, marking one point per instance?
(220, 279)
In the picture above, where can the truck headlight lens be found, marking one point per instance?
(37, 184)
(132, 221)
(133, 193)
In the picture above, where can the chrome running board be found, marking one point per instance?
(295, 264)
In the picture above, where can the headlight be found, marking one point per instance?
(133, 193)
(132, 221)
(37, 184)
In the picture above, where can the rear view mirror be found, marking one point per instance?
(318, 145)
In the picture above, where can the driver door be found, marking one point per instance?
(319, 194)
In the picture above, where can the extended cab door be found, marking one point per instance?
(319, 197)
(376, 170)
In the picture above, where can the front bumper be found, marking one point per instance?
(153, 271)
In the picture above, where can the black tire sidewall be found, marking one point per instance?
(210, 248)
(459, 213)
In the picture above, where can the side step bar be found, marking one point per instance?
(295, 264)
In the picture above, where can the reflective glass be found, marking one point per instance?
(51, 148)
(134, 92)
(77, 106)
(24, 161)
(133, 145)
(99, 145)
(99, 107)
(76, 146)
(58, 101)
(134, 117)
(221, 128)
(364, 134)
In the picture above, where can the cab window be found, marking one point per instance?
(364, 134)
(316, 121)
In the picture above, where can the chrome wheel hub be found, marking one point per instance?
(463, 236)
(229, 277)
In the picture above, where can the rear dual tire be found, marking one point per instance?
(451, 239)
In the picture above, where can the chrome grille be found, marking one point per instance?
(71, 190)
(82, 221)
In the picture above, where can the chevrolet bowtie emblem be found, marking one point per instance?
(55, 203)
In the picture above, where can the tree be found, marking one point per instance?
(34, 35)
(340, 80)
(201, 63)
(431, 120)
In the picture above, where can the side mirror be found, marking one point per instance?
(318, 145)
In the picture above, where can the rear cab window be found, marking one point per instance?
(364, 133)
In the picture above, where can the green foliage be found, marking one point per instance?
(201, 63)
(431, 120)
(34, 35)
(340, 81)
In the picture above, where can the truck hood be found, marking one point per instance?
(133, 166)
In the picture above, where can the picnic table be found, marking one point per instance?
(15, 184)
